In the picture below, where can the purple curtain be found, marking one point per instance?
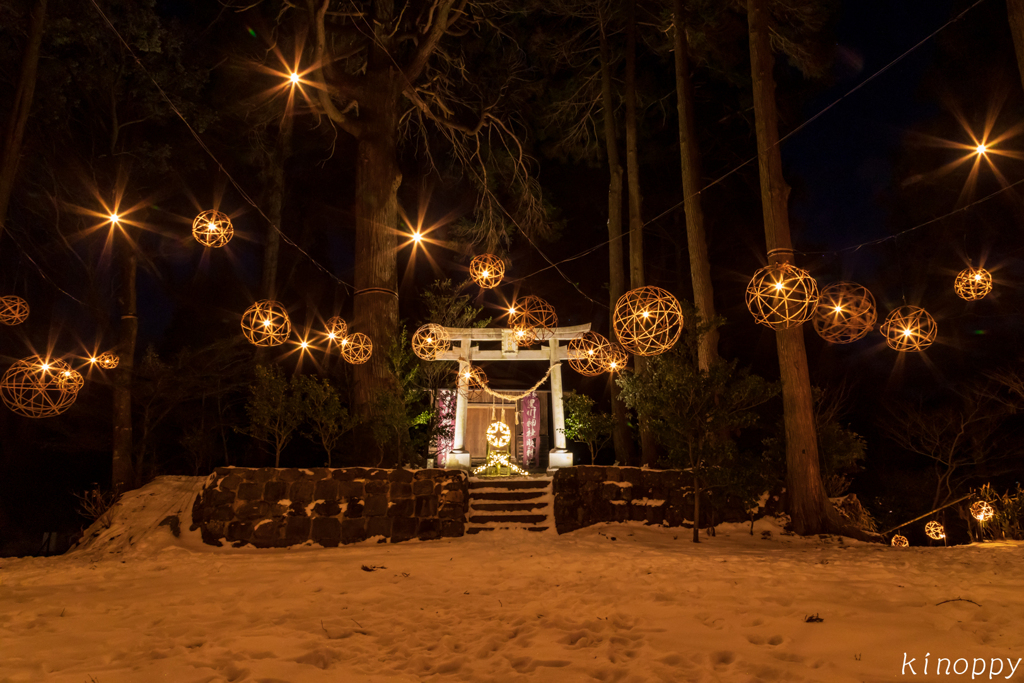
(531, 430)
(446, 423)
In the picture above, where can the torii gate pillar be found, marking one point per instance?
(558, 456)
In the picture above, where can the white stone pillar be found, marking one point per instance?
(458, 458)
(559, 456)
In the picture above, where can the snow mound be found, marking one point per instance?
(135, 518)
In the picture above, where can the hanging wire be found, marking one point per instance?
(206, 149)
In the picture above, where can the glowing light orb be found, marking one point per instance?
(430, 341)
(845, 313)
(266, 323)
(900, 541)
(487, 270)
(781, 296)
(13, 310)
(909, 328)
(35, 387)
(498, 434)
(982, 511)
(973, 284)
(647, 321)
(213, 229)
(934, 530)
(356, 348)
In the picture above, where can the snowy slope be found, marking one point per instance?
(505, 606)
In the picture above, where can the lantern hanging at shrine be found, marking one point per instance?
(647, 321)
(845, 312)
(781, 296)
(909, 328)
(266, 323)
(213, 228)
(487, 270)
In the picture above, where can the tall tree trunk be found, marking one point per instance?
(621, 436)
(275, 206)
(123, 475)
(20, 108)
(689, 154)
(809, 507)
(376, 212)
(648, 447)
(1015, 12)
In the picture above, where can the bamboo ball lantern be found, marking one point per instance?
(212, 228)
(430, 341)
(356, 348)
(487, 270)
(337, 328)
(13, 310)
(647, 321)
(614, 358)
(934, 530)
(900, 541)
(781, 296)
(532, 313)
(498, 434)
(71, 380)
(524, 336)
(106, 361)
(909, 328)
(845, 312)
(266, 323)
(973, 284)
(470, 378)
(587, 354)
(982, 511)
(33, 387)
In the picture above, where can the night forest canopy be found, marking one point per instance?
(588, 143)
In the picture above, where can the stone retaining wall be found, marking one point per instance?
(273, 508)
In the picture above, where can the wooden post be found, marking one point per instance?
(459, 457)
(559, 456)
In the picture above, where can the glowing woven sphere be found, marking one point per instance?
(13, 310)
(982, 511)
(900, 541)
(430, 341)
(615, 358)
(337, 328)
(909, 328)
(524, 337)
(934, 530)
(781, 296)
(845, 312)
(647, 321)
(498, 434)
(33, 387)
(106, 361)
(470, 378)
(266, 323)
(212, 228)
(487, 270)
(71, 380)
(973, 284)
(532, 313)
(356, 348)
(587, 354)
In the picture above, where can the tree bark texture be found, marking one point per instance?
(689, 154)
(1015, 13)
(376, 212)
(809, 507)
(621, 437)
(648, 446)
(20, 108)
(123, 475)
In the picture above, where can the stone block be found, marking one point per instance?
(301, 492)
(222, 513)
(274, 491)
(633, 475)
(296, 530)
(253, 510)
(327, 508)
(326, 531)
(250, 491)
(378, 526)
(377, 486)
(611, 491)
(224, 471)
(402, 508)
(221, 497)
(423, 487)
(375, 506)
(267, 531)
(452, 497)
(591, 473)
(353, 507)
(426, 506)
(400, 489)
(400, 474)
(451, 512)
(344, 474)
(428, 529)
(211, 534)
(265, 474)
(403, 529)
(431, 474)
(626, 492)
(289, 474)
(347, 489)
(320, 473)
(374, 474)
(297, 509)
(247, 473)
(655, 514)
(230, 482)
(238, 531)
(613, 474)
(353, 530)
(326, 489)
(452, 528)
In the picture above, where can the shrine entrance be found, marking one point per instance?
(483, 410)
(473, 409)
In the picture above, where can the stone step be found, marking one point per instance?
(505, 507)
(509, 483)
(478, 529)
(506, 518)
(502, 495)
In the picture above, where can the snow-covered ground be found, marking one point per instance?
(607, 603)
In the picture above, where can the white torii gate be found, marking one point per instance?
(463, 351)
